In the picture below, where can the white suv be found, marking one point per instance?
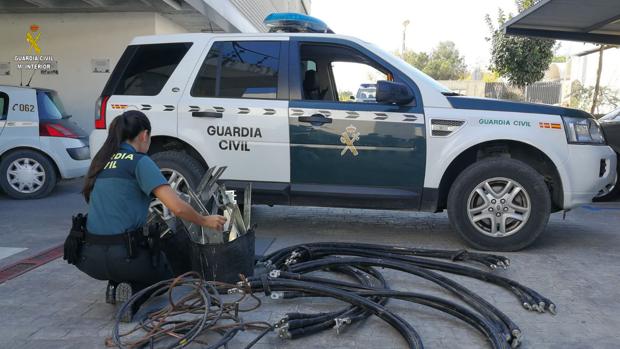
(268, 107)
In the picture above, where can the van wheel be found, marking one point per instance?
(181, 171)
(499, 204)
(27, 174)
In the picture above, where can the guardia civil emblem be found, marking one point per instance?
(348, 137)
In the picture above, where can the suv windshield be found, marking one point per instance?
(50, 107)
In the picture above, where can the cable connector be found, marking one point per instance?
(284, 333)
(341, 322)
(283, 322)
(292, 259)
(235, 290)
(275, 273)
(517, 337)
(277, 295)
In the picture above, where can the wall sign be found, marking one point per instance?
(100, 65)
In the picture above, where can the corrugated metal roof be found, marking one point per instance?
(578, 20)
(256, 11)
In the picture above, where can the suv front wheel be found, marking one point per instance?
(499, 204)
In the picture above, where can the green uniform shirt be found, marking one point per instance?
(120, 199)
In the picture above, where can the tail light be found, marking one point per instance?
(49, 129)
(100, 111)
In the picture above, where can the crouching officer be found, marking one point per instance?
(118, 188)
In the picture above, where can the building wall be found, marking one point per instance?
(74, 39)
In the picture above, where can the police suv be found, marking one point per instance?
(271, 108)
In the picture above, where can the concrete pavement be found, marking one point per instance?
(575, 263)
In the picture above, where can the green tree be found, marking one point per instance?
(446, 63)
(582, 97)
(521, 60)
(345, 96)
(443, 63)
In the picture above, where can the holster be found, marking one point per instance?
(75, 239)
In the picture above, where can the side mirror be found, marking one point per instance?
(391, 92)
(352, 98)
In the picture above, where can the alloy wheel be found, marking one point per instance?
(179, 184)
(499, 207)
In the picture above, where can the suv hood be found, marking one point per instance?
(461, 102)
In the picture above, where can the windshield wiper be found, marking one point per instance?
(451, 94)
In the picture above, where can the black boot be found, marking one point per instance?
(110, 292)
(123, 293)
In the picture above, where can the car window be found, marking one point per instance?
(239, 69)
(614, 115)
(145, 69)
(4, 105)
(356, 80)
(50, 107)
(338, 73)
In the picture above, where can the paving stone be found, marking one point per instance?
(575, 263)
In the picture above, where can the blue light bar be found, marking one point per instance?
(290, 22)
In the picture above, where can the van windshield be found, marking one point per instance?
(50, 107)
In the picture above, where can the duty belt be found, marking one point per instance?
(116, 239)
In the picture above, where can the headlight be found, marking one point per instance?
(583, 131)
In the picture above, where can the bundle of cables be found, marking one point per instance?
(291, 273)
(194, 310)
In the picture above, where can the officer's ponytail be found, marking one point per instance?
(124, 127)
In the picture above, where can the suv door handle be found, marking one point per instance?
(315, 119)
(206, 114)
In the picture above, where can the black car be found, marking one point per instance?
(610, 124)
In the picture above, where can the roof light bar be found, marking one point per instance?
(288, 22)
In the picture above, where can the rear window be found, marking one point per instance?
(50, 107)
(239, 69)
(4, 105)
(143, 70)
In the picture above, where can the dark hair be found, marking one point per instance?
(123, 128)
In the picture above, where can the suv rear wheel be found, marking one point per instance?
(181, 171)
(499, 204)
(27, 174)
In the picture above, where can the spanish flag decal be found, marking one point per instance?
(550, 125)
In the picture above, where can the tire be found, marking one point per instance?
(28, 165)
(518, 234)
(612, 193)
(188, 167)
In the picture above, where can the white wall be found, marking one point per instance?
(74, 39)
